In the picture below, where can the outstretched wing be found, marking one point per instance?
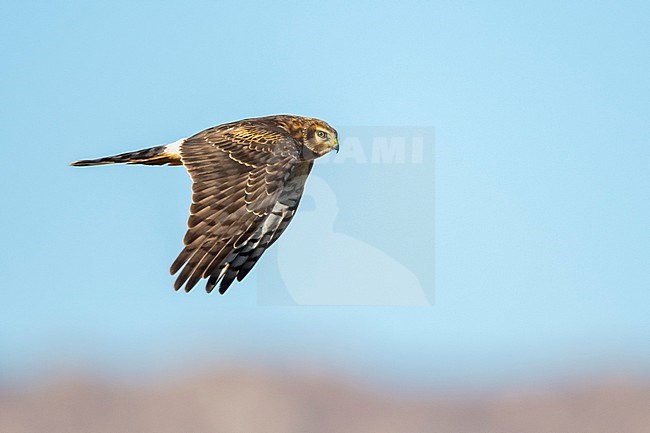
(238, 172)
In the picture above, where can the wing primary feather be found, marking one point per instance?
(227, 280)
(214, 279)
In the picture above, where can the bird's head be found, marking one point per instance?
(318, 139)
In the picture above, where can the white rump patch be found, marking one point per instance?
(175, 147)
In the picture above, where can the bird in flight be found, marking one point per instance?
(247, 180)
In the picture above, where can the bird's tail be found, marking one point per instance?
(159, 155)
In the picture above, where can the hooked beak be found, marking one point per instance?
(336, 145)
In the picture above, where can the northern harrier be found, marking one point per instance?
(247, 180)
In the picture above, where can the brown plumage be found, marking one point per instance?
(247, 180)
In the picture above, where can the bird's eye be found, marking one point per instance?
(321, 134)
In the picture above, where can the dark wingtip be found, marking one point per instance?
(178, 263)
(225, 284)
(212, 282)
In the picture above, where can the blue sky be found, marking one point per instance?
(532, 209)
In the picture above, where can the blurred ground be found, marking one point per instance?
(254, 402)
